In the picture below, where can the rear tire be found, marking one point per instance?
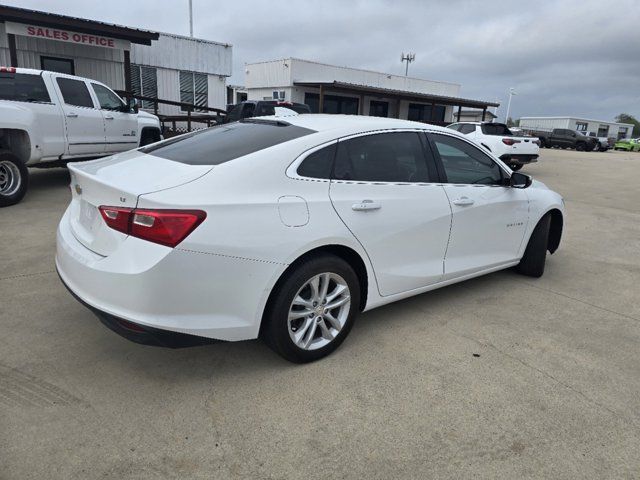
(295, 312)
(535, 255)
(14, 179)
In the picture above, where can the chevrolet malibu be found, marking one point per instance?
(286, 229)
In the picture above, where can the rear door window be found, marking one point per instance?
(383, 157)
(75, 92)
(223, 143)
(22, 87)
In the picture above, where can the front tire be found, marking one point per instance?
(14, 179)
(312, 309)
(581, 147)
(535, 255)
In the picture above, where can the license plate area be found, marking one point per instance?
(88, 215)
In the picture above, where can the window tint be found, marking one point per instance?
(464, 163)
(467, 128)
(106, 98)
(220, 144)
(75, 92)
(318, 164)
(496, 129)
(455, 126)
(385, 157)
(23, 88)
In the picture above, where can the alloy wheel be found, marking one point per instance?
(10, 178)
(319, 311)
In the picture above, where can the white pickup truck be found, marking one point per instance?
(501, 142)
(48, 119)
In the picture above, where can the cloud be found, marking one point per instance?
(563, 58)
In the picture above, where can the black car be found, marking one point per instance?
(260, 108)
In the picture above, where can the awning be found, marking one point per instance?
(63, 22)
(344, 87)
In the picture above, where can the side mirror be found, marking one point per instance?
(520, 180)
(131, 105)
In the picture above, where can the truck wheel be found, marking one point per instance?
(14, 178)
(542, 143)
(580, 147)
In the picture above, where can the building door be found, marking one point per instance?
(489, 220)
(120, 124)
(84, 122)
(382, 192)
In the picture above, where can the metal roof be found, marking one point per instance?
(401, 94)
(82, 25)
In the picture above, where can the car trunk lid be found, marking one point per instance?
(118, 181)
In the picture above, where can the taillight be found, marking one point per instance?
(166, 227)
(116, 217)
(7, 69)
(509, 141)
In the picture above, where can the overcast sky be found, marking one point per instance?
(563, 57)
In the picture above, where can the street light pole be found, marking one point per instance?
(512, 92)
(191, 18)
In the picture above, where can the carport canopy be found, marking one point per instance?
(398, 95)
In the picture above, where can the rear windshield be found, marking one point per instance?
(496, 129)
(23, 87)
(222, 143)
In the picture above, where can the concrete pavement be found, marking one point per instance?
(499, 377)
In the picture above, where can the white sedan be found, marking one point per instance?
(286, 229)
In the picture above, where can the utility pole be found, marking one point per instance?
(191, 18)
(512, 92)
(409, 57)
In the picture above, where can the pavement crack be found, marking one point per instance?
(604, 309)
(24, 275)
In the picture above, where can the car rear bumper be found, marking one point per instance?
(157, 288)
(519, 159)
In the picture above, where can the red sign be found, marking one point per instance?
(49, 33)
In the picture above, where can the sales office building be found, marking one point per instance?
(152, 64)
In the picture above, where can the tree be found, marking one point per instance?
(626, 118)
(510, 122)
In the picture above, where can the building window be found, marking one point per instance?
(581, 126)
(60, 65)
(603, 131)
(378, 109)
(278, 95)
(332, 104)
(622, 133)
(144, 82)
(419, 112)
(194, 90)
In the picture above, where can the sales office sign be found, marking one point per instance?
(48, 33)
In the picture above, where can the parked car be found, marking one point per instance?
(286, 230)
(500, 140)
(628, 144)
(565, 138)
(49, 118)
(603, 142)
(261, 108)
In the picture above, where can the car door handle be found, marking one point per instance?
(72, 114)
(462, 201)
(365, 205)
(108, 117)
